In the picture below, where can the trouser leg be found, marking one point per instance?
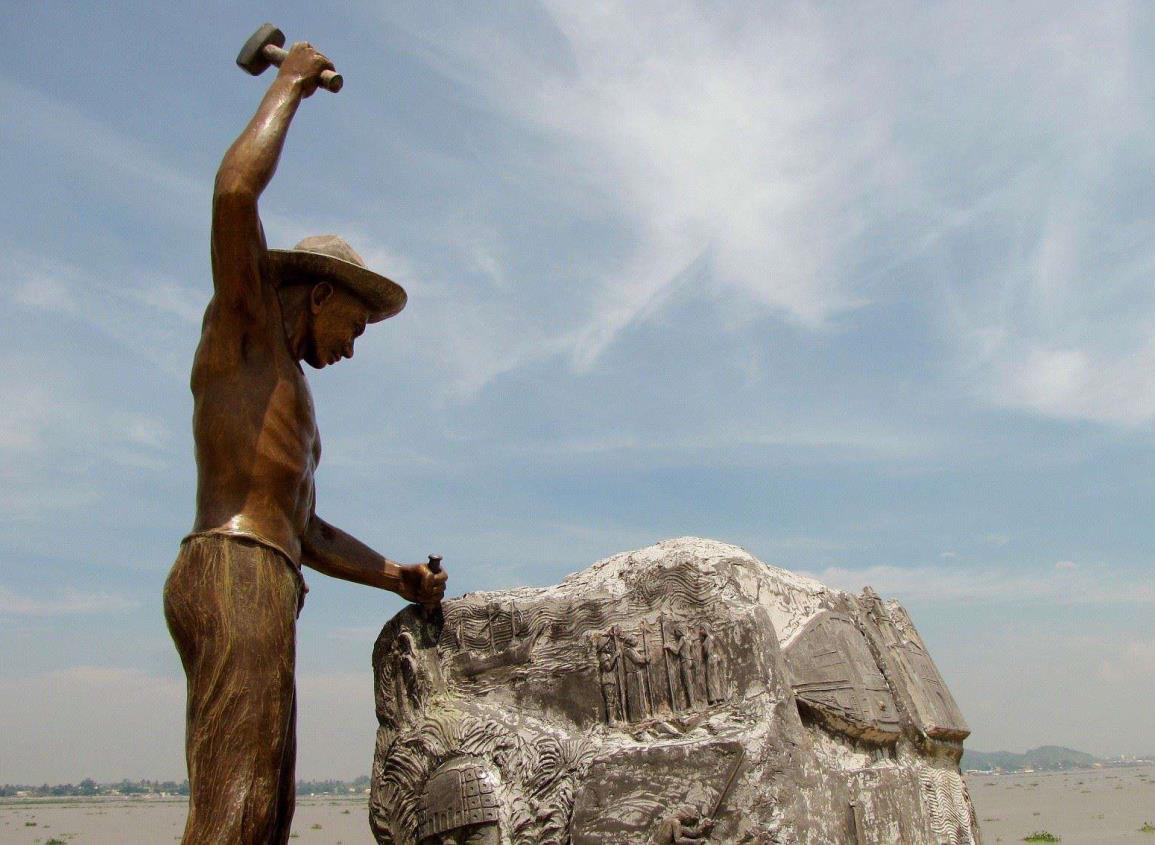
(231, 607)
(287, 799)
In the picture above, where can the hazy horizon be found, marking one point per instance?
(865, 290)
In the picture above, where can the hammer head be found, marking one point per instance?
(252, 56)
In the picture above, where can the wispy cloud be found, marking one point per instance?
(722, 147)
(142, 177)
(143, 313)
(66, 603)
(1058, 585)
(783, 158)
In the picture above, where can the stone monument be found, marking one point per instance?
(682, 693)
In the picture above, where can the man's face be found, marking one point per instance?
(338, 319)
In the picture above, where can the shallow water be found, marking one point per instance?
(1085, 806)
(87, 821)
(1089, 806)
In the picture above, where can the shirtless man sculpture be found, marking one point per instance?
(232, 598)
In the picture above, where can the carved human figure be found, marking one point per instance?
(637, 693)
(684, 826)
(234, 592)
(608, 678)
(683, 649)
(712, 666)
(410, 671)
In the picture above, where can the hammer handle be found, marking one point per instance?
(330, 79)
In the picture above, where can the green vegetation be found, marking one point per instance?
(89, 787)
(333, 787)
(1147, 828)
(55, 841)
(1047, 758)
(1041, 836)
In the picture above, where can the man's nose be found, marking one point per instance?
(349, 349)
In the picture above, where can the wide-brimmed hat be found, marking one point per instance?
(329, 258)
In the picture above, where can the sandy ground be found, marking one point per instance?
(1094, 805)
(1099, 805)
(331, 821)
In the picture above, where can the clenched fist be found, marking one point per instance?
(421, 585)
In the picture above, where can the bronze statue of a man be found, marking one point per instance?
(232, 598)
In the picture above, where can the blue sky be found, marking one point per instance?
(864, 288)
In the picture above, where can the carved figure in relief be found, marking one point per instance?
(459, 806)
(637, 690)
(409, 671)
(608, 678)
(712, 666)
(683, 649)
(684, 826)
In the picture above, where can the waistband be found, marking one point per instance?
(244, 535)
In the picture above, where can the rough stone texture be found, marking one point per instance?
(679, 689)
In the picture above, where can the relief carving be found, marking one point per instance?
(682, 652)
(589, 712)
(459, 806)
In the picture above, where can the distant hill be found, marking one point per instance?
(1044, 758)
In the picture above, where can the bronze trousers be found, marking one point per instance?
(231, 605)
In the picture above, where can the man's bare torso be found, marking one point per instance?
(257, 444)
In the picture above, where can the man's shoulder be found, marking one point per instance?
(227, 328)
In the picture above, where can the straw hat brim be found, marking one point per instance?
(383, 296)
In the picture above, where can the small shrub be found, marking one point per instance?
(1147, 828)
(1041, 836)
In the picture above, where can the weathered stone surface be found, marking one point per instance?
(678, 690)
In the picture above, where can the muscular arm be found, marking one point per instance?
(238, 242)
(330, 550)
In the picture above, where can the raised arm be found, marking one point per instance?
(330, 550)
(238, 241)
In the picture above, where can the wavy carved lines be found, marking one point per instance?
(945, 799)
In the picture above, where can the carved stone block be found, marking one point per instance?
(679, 691)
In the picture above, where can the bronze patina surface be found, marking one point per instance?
(234, 593)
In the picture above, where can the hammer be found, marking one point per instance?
(265, 47)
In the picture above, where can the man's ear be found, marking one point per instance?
(319, 295)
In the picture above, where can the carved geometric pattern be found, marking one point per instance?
(456, 795)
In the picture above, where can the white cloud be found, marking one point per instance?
(46, 293)
(722, 144)
(143, 313)
(1060, 586)
(1066, 565)
(68, 602)
(784, 158)
(45, 413)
